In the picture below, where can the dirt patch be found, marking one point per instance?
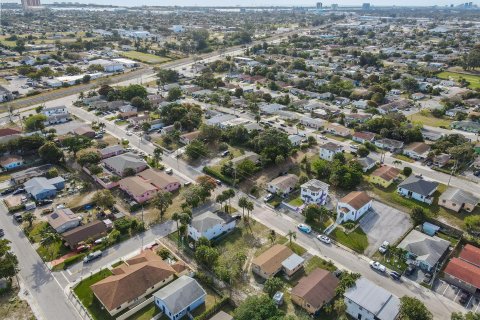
(14, 308)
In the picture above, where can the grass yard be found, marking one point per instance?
(430, 120)
(296, 248)
(473, 79)
(355, 240)
(296, 202)
(390, 261)
(146, 313)
(317, 262)
(144, 57)
(85, 294)
(320, 226)
(4, 177)
(35, 233)
(403, 158)
(52, 251)
(332, 136)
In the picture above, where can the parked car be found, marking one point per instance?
(186, 184)
(101, 240)
(7, 191)
(304, 228)
(47, 211)
(268, 197)
(129, 133)
(218, 182)
(384, 247)
(92, 256)
(353, 146)
(18, 191)
(2, 233)
(168, 171)
(410, 269)
(395, 275)
(225, 153)
(237, 217)
(82, 248)
(18, 217)
(324, 239)
(44, 202)
(464, 297)
(377, 266)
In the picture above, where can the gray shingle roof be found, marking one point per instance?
(208, 219)
(416, 184)
(179, 294)
(426, 248)
(124, 161)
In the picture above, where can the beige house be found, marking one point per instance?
(456, 199)
(283, 185)
(279, 257)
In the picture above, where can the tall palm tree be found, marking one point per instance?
(157, 155)
(176, 218)
(249, 206)
(242, 203)
(30, 217)
(291, 234)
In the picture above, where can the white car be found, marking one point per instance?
(324, 239)
(377, 266)
(353, 147)
(384, 247)
(129, 133)
(268, 197)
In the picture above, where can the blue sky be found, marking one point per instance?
(259, 2)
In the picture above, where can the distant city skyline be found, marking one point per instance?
(257, 3)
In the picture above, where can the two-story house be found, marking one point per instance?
(329, 150)
(210, 225)
(314, 191)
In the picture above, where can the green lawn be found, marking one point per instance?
(144, 57)
(473, 79)
(317, 262)
(332, 136)
(403, 158)
(85, 294)
(146, 313)
(296, 202)
(430, 120)
(52, 251)
(35, 233)
(391, 261)
(296, 248)
(356, 240)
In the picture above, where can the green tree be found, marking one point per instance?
(29, 217)
(86, 157)
(137, 102)
(407, 171)
(162, 201)
(362, 151)
(157, 156)
(133, 90)
(314, 213)
(258, 308)
(206, 255)
(8, 261)
(472, 223)
(195, 150)
(166, 76)
(413, 309)
(418, 215)
(174, 94)
(50, 153)
(291, 235)
(76, 143)
(104, 198)
(243, 203)
(35, 122)
(246, 168)
(272, 285)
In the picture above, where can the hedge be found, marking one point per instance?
(218, 175)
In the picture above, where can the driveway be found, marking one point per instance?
(383, 223)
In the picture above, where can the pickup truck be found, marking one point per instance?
(92, 256)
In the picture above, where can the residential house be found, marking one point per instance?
(454, 111)
(295, 139)
(269, 263)
(63, 220)
(292, 264)
(389, 144)
(353, 206)
(180, 297)
(457, 199)
(464, 271)
(221, 315)
(7, 134)
(356, 118)
(58, 114)
(127, 108)
(338, 129)
(441, 160)
(315, 290)
(92, 230)
(417, 188)
(167, 129)
(111, 151)
(186, 138)
(41, 188)
(367, 163)
(156, 124)
(469, 126)
(313, 123)
(24, 175)
(427, 251)
(367, 301)
(385, 176)
(431, 135)
(210, 225)
(363, 136)
(417, 150)
(138, 188)
(118, 164)
(283, 185)
(11, 162)
(132, 281)
(220, 119)
(252, 156)
(314, 191)
(329, 150)
(159, 179)
(85, 131)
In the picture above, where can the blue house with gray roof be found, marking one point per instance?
(41, 188)
(417, 188)
(180, 297)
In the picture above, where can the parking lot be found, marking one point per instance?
(383, 223)
(453, 293)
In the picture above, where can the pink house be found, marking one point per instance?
(138, 188)
(160, 179)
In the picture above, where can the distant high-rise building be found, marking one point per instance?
(319, 5)
(366, 6)
(334, 6)
(30, 3)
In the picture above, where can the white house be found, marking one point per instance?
(367, 301)
(314, 191)
(312, 122)
(353, 206)
(295, 139)
(283, 185)
(417, 188)
(330, 149)
(50, 111)
(210, 225)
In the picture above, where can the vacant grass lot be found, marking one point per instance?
(145, 57)
(473, 79)
(317, 262)
(403, 158)
(86, 296)
(356, 240)
(430, 120)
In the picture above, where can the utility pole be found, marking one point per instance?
(141, 250)
(454, 168)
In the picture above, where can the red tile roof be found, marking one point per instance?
(471, 254)
(9, 131)
(464, 271)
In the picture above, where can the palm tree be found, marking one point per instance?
(272, 236)
(396, 162)
(220, 199)
(157, 155)
(230, 193)
(242, 203)
(249, 206)
(258, 118)
(291, 234)
(30, 217)
(176, 218)
(49, 237)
